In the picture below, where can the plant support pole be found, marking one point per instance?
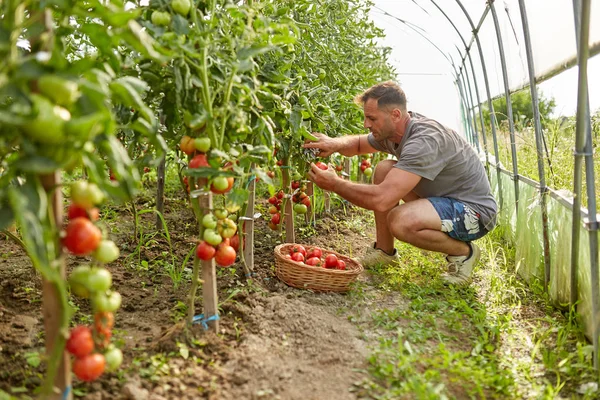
(538, 143)
(583, 147)
(488, 94)
(509, 111)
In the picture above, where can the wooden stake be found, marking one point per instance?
(209, 276)
(51, 305)
(160, 193)
(248, 226)
(290, 236)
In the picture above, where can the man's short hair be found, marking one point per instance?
(387, 94)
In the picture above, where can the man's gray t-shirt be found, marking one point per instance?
(447, 163)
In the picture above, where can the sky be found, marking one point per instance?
(427, 76)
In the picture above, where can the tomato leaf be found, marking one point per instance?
(36, 164)
(7, 216)
(180, 25)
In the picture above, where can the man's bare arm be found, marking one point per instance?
(348, 146)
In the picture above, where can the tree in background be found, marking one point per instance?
(522, 109)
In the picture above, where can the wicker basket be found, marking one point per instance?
(319, 279)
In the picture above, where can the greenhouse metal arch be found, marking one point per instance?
(539, 219)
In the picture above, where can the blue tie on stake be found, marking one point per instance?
(199, 319)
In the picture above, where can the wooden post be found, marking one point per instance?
(202, 204)
(51, 305)
(310, 215)
(290, 236)
(347, 168)
(327, 197)
(160, 193)
(248, 227)
(209, 275)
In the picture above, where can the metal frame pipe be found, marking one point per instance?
(472, 110)
(475, 30)
(538, 142)
(583, 148)
(468, 53)
(468, 109)
(509, 112)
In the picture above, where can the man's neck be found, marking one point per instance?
(401, 127)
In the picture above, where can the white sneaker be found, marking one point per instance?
(460, 268)
(375, 257)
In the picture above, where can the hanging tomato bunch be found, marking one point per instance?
(219, 232)
(275, 209)
(91, 346)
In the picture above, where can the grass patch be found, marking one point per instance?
(496, 338)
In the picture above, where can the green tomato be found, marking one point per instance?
(81, 194)
(220, 183)
(227, 228)
(233, 217)
(60, 90)
(221, 213)
(202, 144)
(300, 208)
(368, 172)
(113, 358)
(106, 303)
(160, 18)
(322, 74)
(99, 280)
(181, 7)
(48, 127)
(209, 221)
(212, 237)
(78, 281)
(106, 252)
(296, 176)
(96, 195)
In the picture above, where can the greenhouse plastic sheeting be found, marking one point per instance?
(529, 258)
(525, 232)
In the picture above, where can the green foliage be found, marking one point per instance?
(522, 108)
(481, 341)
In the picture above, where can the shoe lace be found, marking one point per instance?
(453, 267)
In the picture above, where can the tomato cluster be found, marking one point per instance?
(219, 184)
(314, 257)
(300, 198)
(275, 209)
(82, 237)
(220, 238)
(365, 167)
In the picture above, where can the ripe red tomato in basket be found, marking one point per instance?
(299, 257)
(331, 261)
(341, 264)
(314, 252)
(298, 248)
(314, 261)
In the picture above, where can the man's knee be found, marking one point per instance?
(403, 223)
(381, 170)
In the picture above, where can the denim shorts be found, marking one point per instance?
(459, 220)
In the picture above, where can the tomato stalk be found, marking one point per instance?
(225, 101)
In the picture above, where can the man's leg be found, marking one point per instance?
(385, 239)
(418, 223)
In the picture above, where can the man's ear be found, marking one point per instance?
(396, 113)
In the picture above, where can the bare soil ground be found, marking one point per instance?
(274, 342)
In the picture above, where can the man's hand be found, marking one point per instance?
(325, 179)
(326, 144)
